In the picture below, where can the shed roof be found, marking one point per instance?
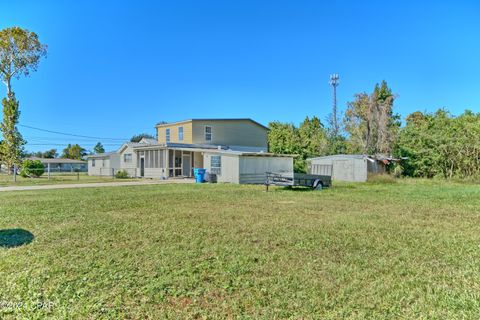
(378, 157)
(337, 156)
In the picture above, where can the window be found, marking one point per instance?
(93, 162)
(180, 133)
(127, 157)
(208, 133)
(167, 135)
(216, 165)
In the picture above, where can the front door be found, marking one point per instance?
(142, 167)
(187, 168)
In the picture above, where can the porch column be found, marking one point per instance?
(167, 162)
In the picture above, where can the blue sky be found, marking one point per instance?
(115, 68)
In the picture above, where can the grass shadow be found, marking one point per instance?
(11, 238)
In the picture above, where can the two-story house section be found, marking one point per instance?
(236, 134)
(234, 150)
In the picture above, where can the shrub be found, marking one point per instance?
(32, 168)
(121, 174)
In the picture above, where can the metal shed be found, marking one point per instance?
(351, 167)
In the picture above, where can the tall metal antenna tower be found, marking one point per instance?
(334, 82)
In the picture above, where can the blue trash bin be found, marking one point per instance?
(199, 175)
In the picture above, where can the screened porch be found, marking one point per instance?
(167, 163)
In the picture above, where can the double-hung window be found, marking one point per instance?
(216, 165)
(127, 157)
(208, 133)
(180, 133)
(93, 162)
(167, 135)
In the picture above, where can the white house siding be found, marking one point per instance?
(115, 161)
(104, 166)
(156, 173)
(197, 160)
(253, 169)
(345, 167)
(129, 167)
(229, 167)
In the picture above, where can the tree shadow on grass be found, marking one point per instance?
(11, 238)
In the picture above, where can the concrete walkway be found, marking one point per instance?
(95, 185)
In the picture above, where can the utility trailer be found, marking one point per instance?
(313, 181)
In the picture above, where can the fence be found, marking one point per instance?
(321, 169)
(46, 175)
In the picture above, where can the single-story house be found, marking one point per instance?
(62, 164)
(234, 150)
(103, 164)
(350, 167)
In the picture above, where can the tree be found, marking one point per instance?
(310, 139)
(50, 154)
(32, 168)
(439, 144)
(313, 137)
(370, 123)
(138, 137)
(74, 152)
(12, 146)
(284, 138)
(20, 53)
(98, 148)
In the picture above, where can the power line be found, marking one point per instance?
(71, 134)
(65, 144)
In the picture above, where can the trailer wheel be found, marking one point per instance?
(317, 185)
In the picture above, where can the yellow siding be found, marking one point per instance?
(231, 132)
(187, 132)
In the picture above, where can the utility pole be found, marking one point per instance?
(334, 82)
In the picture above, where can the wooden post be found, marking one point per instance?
(48, 171)
(14, 173)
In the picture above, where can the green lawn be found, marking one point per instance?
(57, 178)
(385, 251)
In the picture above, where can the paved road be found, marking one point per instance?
(94, 185)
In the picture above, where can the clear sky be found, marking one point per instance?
(115, 68)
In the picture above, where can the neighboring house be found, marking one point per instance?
(235, 150)
(351, 167)
(103, 164)
(62, 164)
